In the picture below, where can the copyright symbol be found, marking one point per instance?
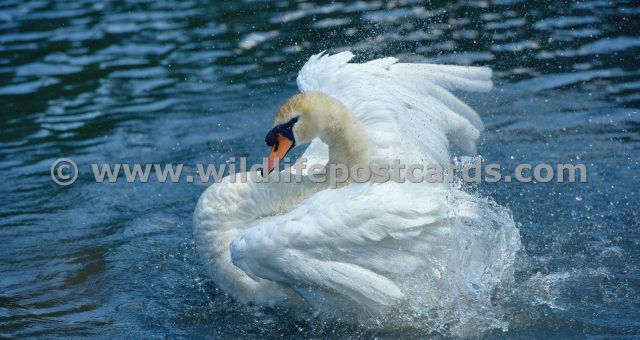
(64, 171)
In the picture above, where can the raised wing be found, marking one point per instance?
(407, 108)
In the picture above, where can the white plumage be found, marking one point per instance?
(303, 243)
(407, 103)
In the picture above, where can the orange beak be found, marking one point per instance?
(279, 150)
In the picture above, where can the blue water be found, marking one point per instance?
(199, 81)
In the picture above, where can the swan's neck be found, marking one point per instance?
(345, 135)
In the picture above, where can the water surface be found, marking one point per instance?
(199, 81)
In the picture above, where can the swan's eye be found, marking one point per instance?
(272, 137)
(285, 130)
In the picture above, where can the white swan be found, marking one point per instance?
(369, 243)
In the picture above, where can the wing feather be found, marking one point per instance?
(408, 102)
(356, 243)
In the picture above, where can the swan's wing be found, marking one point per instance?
(407, 102)
(352, 241)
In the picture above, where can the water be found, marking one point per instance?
(196, 81)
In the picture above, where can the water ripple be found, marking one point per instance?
(198, 81)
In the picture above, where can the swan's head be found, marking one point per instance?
(300, 119)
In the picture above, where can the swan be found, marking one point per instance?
(361, 246)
